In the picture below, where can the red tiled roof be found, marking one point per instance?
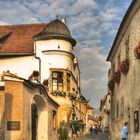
(20, 39)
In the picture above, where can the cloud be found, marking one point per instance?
(15, 13)
(93, 72)
(93, 23)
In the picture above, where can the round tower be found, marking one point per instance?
(54, 47)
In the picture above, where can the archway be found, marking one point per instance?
(39, 118)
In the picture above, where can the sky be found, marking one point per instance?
(93, 23)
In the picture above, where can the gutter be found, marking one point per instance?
(2, 55)
(39, 62)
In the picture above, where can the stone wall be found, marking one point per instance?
(126, 97)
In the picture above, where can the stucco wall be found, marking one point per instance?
(22, 66)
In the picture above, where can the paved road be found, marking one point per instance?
(100, 136)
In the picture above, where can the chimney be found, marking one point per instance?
(63, 20)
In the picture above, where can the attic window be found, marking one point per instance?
(3, 38)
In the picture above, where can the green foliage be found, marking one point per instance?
(59, 93)
(63, 131)
(78, 124)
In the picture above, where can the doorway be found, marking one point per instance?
(34, 114)
(39, 118)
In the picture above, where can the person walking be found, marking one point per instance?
(96, 130)
(125, 131)
(93, 129)
(90, 130)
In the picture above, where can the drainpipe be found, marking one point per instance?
(39, 79)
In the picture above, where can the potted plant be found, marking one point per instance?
(124, 66)
(72, 96)
(45, 82)
(63, 131)
(34, 75)
(137, 51)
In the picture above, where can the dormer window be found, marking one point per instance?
(3, 38)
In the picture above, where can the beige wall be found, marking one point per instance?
(2, 108)
(19, 98)
(22, 66)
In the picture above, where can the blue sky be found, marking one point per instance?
(93, 23)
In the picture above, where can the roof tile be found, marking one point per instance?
(21, 38)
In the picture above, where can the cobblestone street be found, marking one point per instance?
(100, 136)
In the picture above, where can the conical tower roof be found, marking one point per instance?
(56, 29)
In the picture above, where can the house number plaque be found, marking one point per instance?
(13, 125)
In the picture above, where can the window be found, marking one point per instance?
(117, 110)
(54, 119)
(136, 121)
(68, 82)
(113, 69)
(122, 107)
(119, 59)
(57, 79)
(127, 48)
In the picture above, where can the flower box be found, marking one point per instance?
(137, 51)
(117, 77)
(111, 85)
(59, 93)
(124, 66)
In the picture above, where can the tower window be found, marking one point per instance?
(68, 82)
(57, 79)
(58, 46)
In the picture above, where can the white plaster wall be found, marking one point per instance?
(51, 57)
(52, 45)
(22, 66)
(54, 60)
